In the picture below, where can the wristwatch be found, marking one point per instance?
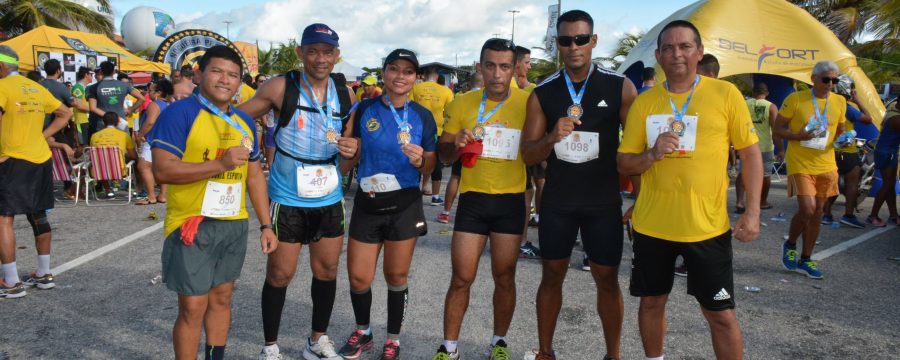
(267, 226)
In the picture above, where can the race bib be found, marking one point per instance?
(578, 147)
(379, 183)
(501, 143)
(316, 181)
(222, 200)
(687, 142)
(817, 143)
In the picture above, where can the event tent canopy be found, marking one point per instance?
(760, 37)
(46, 39)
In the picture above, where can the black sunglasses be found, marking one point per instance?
(579, 40)
(833, 80)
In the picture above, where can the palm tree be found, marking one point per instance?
(19, 16)
(280, 60)
(623, 47)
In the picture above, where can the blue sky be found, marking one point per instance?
(439, 30)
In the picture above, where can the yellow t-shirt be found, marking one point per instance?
(684, 196)
(244, 94)
(799, 108)
(129, 102)
(362, 89)
(25, 105)
(490, 176)
(78, 92)
(189, 131)
(433, 97)
(110, 136)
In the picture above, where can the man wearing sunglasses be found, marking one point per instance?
(573, 123)
(677, 138)
(483, 129)
(810, 121)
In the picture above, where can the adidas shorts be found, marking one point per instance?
(709, 264)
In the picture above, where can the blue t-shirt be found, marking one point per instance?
(377, 129)
(303, 138)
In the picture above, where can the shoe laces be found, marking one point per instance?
(441, 356)
(792, 254)
(390, 350)
(327, 347)
(811, 264)
(500, 353)
(354, 338)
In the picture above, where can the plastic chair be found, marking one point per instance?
(104, 163)
(64, 170)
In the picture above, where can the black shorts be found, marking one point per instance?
(402, 225)
(482, 214)
(25, 187)
(304, 225)
(846, 162)
(709, 264)
(438, 173)
(601, 230)
(456, 169)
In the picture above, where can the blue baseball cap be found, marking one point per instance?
(319, 34)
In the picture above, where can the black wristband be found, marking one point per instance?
(267, 226)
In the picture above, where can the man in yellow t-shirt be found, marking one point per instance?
(112, 136)
(434, 96)
(26, 179)
(677, 138)
(83, 78)
(369, 88)
(492, 187)
(206, 150)
(245, 93)
(810, 121)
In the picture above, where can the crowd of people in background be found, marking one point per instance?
(559, 154)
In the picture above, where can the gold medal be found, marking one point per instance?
(403, 137)
(247, 142)
(575, 111)
(478, 132)
(678, 127)
(331, 136)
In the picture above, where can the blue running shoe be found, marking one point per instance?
(789, 256)
(827, 219)
(852, 221)
(810, 269)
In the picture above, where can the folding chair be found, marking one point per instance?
(105, 165)
(64, 170)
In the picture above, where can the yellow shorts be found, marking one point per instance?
(821, 185)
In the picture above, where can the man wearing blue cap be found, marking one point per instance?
(313, 110)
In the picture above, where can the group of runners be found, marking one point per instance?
(206, 150)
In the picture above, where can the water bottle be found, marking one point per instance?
(813, 126)
(845, 139)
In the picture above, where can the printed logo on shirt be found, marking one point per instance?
(373, 125)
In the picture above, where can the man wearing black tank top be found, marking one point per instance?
(573, 121)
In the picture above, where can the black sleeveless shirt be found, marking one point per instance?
(595, 182)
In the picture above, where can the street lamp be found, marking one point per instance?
(513, 35)
(228, 28)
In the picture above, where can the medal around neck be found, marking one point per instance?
(404, 137)
(331, 136)
(478, 132)
(575, 111)
(247, 142)
(677, 125)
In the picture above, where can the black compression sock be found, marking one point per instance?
(362, 306)
(214, 352)
(396, 307)
(322, 293)
(272, 304)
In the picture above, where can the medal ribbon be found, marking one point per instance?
(482, 118)
(403, 124)
(218, 112)
(679, 115)
(819, 115)
(330, 93)
(576, 98)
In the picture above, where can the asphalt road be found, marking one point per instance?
(107, 308)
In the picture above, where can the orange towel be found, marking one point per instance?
(189, 229)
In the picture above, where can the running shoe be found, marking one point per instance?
(827, 219)
(322, 349)
(852, 221)
(789, 256)
(270, 353)
(42, 282)
(544, 356)
(443, 218)
(390, 351)
(358, 342)
(810, 269)
(499, 351)
(875, 221)
(12, 292)
(681, 270)
(529, 251)
(443, 354)
(585, 263)
(436, 200)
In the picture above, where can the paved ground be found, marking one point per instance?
(107, 308)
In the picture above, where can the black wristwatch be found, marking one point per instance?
(267, 226)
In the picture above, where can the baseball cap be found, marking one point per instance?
(319, 34)
(404, 54)
(370, 80)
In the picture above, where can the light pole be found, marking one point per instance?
(228, 28)
(513, 35)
